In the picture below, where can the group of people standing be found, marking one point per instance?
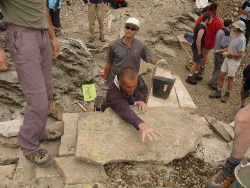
(210, 34)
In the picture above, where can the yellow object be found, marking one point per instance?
(89, 92)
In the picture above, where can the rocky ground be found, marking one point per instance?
(159, 20)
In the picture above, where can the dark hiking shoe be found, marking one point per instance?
(91, 40)
(202, 70)
(191, 80)
(102, 39)
(41, 158)
(198, 77)
(54, 135)
(223, 178)
(215, 94)
(212, 85)
(225, 97)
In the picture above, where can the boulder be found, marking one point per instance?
(79, 172)
(212, 150)
(10, 128)
(223, 129)
(104, 137)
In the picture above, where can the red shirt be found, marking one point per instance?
(211, 30)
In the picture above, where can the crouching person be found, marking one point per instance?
(127, 89)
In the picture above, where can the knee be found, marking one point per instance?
(241, 122)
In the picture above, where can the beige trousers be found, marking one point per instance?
(96, 11)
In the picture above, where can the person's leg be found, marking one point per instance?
(31, 80)
(230, 83)
(241, 144)
(92, 18)
(218, 60)
(217, 92)
(196, 58)
(242, 133)
(51, 13)
(100, 18)
(204, 61)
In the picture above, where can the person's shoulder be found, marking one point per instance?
(116, 42)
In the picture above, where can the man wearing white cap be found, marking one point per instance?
(233, 55)
(127, 52)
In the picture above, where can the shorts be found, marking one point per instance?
(230, 66)
(207, 50)
(197, 58)
(244, 94)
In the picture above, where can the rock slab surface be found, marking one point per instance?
(105, 137)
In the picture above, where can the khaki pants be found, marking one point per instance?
(96, 11)
(31, 53)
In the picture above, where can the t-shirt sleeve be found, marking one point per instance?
(110, 54)
(241, 45)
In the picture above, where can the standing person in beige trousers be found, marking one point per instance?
(96, 10)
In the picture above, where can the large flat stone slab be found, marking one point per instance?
(105, 137)
(10, 142)
(9, 155)
(6, 175)
(212, 150)
(25, 173)
(79, 172)
(184, 99)
(223, 129)
(68, 140)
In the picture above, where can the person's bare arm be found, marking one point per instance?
(198, 40)
(56, 47)
(107, 71)
(3, 59)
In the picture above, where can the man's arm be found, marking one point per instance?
(56, 47)
(2, 59)
(107, 71)
(198, 40)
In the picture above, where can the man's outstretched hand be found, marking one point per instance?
(142, 106)
(148, 131)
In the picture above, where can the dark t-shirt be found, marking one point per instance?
(246, 75)
(119, 101)
(120, 55)
(197, 29)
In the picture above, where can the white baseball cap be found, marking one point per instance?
(240, 25)
(133, 21)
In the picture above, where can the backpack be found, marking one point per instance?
(227, 33)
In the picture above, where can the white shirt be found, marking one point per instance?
(201, 3)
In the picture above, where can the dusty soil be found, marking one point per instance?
(158, 19)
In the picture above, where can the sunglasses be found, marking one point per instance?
(130, 28)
